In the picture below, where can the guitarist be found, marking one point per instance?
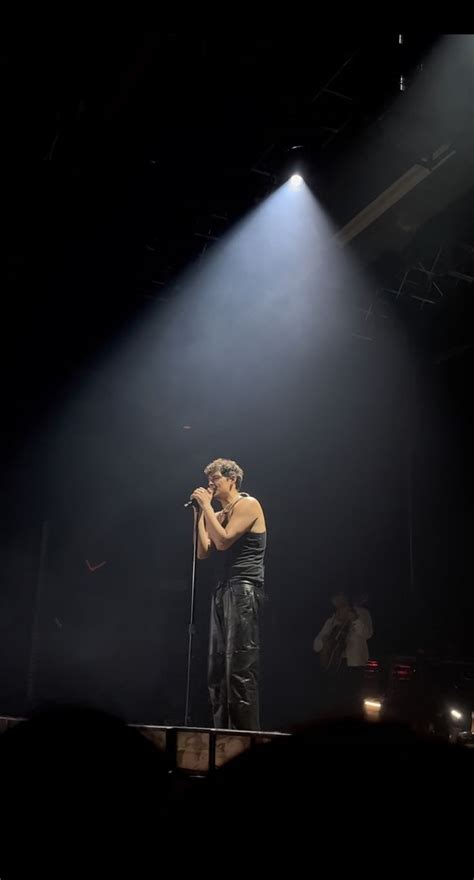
(342, 646)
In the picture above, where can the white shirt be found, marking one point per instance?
(357, 652)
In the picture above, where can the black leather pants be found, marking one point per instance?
(234, 654)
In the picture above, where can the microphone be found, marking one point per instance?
(192, 503)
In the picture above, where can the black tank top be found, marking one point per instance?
(245, 558)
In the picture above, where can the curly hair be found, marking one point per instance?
(227, 468)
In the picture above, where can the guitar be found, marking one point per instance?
(334, 646)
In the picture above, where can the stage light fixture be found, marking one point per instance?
(295, 181)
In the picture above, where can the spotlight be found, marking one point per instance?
(295, 181)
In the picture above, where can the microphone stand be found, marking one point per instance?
(191, 627)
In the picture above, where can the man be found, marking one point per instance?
(238, 532)
(342, 645)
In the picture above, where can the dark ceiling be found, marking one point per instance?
(126, 154)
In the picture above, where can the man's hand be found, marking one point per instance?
(203, 497)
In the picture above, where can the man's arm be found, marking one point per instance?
(363, 623)
(243, 517)
(205, 544)
(204, 541)
(318, 642)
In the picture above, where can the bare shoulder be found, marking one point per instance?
(250, 502)
(251, 498)
(253, 505)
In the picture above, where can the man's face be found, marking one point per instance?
(339, 602)
(219, 485)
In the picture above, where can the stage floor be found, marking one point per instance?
(198, 750)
